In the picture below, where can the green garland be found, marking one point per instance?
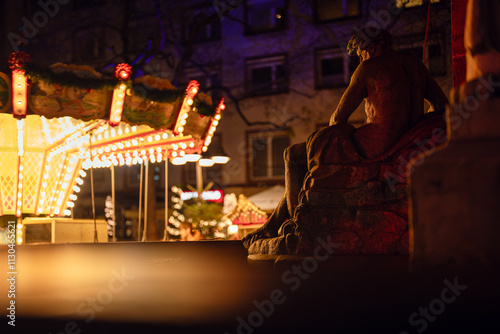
(203, 108)
(66, 79)
(157, 95)
(35, 73)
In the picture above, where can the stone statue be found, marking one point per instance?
(341, 161)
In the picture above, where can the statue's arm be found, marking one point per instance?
(352, 97)
(434, 94)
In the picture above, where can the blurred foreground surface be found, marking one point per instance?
(211, 287)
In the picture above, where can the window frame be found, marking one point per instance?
(97, 36)
(343, 18)
(268, 135)
(325, 53)
(187, 18)
(248, 31)
(206, 71)
(261, 62)
(417, 42)
(87, 4)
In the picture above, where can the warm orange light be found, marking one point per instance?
(115, 115)
(19, 93)
(185, 108)
(123, 75)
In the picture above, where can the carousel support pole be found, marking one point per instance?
(113, 200)
(93, 201)
(144, 235)
(140, 202)
(199, 179)
(19, 224)
(165, 233)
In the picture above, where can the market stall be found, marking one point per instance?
(246, 215)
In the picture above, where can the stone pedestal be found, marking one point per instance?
(455, 191)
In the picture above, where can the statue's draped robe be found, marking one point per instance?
(357, 204)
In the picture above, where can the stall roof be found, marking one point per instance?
(268, 199)
(246, 213)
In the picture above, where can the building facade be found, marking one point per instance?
(280, 65)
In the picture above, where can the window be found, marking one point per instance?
(411, 3)
(207, 77)
(79, 4)
(141, 40)
(266, 155)
(203, 23)
(266, 75)
(143, 9)
(435, 59)
(334, 68)
(265, 15)
(416, 52)
(329, 10)
(89, 45)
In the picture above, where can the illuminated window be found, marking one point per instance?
(266, 155)
(328, 10)
(411, 3)
(266, 75)
(334, 68)
(264, 15)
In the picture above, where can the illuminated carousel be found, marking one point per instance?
(56, 123)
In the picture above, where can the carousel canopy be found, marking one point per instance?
(55, 123)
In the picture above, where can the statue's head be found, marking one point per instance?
(368, 42)
(482, 38)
